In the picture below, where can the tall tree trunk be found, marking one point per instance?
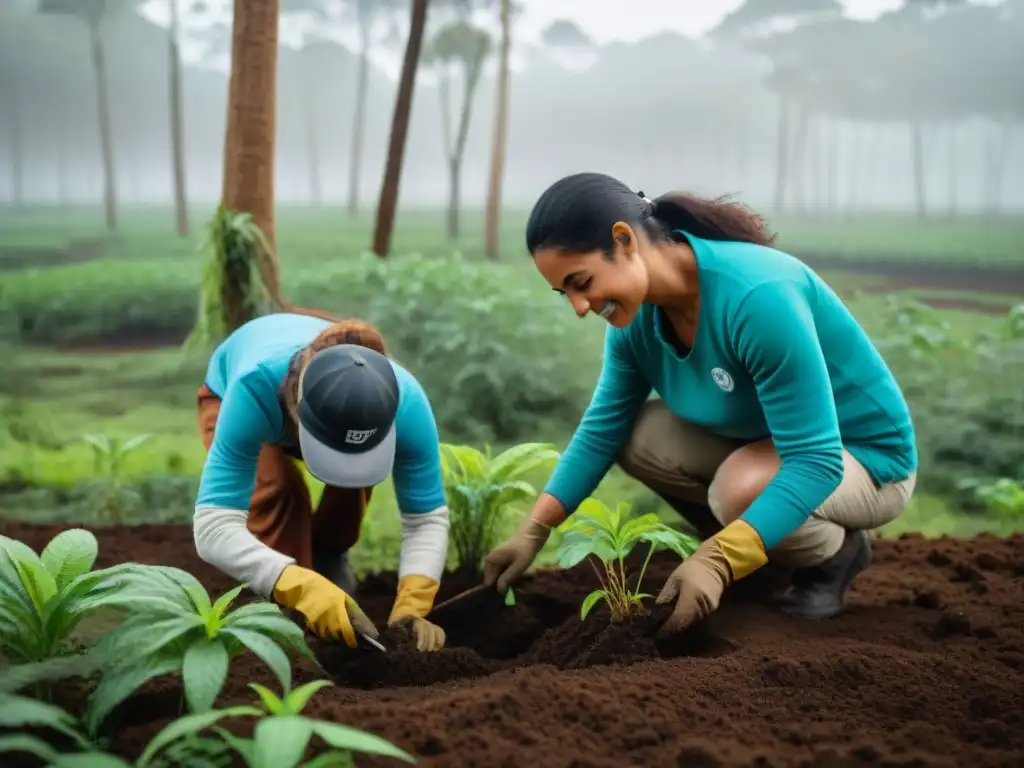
(835, 135)
(312, 140)
(782, 155)
(17, 136)
(917, 148)
(250, 140)
(997, 154)
(952, 171)
(399, 130)
(454, 193)
(177, 124)
(499, 140)
(359, 119)
(99, 66)
(471, 75)
(63, 186)
(800, 149)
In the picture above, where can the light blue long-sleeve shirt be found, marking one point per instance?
(777, 355)
(246, 371)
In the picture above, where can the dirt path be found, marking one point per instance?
(925, 669)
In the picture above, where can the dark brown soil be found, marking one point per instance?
(926, 668)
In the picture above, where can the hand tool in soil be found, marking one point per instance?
(372, 642)
(481, 595)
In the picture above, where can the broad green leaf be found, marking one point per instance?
(23, 743)
(163, 633)
(70, 554)
(267, 650)
(203, 671)
(270, 699)
(262, 608)
(217, 611)
(246, 748)
(281, 741)
(354, 740)
(188, 725)
(632, 529)
(676, 541)
(591, 600)
(120, 682)
(90, 760)
(24, 712)
(296, 701)
(574, 554)
(38, 583)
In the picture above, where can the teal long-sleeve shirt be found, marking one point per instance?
(776, 354)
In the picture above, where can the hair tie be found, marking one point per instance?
(650, 203)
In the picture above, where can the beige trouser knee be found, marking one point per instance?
(680, 460)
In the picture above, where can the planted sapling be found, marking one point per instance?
(596, 532)
(481, 488)
(174, 627)
(44, 597)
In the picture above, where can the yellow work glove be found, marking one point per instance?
(698, 583)
(414, 600)
(328, 610)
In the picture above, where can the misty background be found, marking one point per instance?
(916, 109)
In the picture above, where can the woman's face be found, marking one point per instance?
(614, 289)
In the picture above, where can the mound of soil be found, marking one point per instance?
(925, 668)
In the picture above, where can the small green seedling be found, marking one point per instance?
(174, 627)
(609, 535)
(44, 597)
(1005, 498)
(480, 489)
(282, 736)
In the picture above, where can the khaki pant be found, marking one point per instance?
(679, 461)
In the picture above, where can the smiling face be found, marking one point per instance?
(613, 288)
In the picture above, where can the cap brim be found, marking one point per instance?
(348, 470)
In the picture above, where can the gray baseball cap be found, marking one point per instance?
(347, 406)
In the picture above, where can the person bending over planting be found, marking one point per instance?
(287, 394)
(780, 432)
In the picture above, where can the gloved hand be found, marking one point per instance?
(328, 610)
(698, 583)
(415, 599)
(507, 562)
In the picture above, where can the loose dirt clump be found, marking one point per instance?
(926, 668)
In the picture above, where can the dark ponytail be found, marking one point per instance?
(577, 212)
(715, 218)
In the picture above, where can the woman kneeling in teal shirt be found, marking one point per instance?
(777, 416)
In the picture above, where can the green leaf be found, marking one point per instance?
(23, 712)
(224, 601)
(296, 700)
(23, 743)
(244, 747)
(267, 650)
(270, 700)
(122, 681)
(38, 583)
(281, 741)
(188, 725)
(90, 760)
(591, 600)
(69, 555)
(574, 554)
(354, 740)
(165, 632)
(204, 670)
(680, 543)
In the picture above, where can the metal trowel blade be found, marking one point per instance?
(373, 642)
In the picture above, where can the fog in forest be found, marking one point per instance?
(920, 109)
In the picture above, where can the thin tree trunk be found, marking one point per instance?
(953, 181)
(917, 147)
(454, 193)
(800, 151)
(399, 130)
(63, 183)
(832, 165)
(17, 137)
(998, 152)
(250, 139)
(492, 214)
(472, 78)
(782, 155)
(177, 124)
(99, 66)
(356, 155)
(312, 141)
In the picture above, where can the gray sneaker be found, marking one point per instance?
(335, 567)
(820, 592)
